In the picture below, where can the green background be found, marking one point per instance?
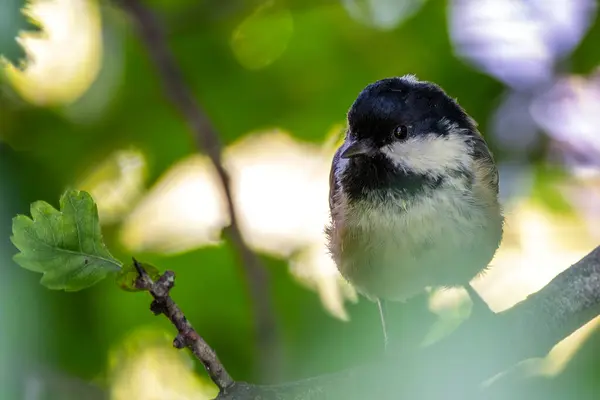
(328, 59)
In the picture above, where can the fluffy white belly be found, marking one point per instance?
(395, 251)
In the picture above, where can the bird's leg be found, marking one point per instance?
(479, 305)
(382, 315)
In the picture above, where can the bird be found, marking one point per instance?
(413, 194)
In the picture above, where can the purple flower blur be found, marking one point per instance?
(569, 111)
(518, 41)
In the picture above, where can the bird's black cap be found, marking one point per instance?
(405, 100)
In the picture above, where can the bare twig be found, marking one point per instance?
(187, 335)
(207, 139)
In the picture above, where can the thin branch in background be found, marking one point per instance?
(208, 140)
(187, 335)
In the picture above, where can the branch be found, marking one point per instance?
(187, 335)
(207, 139)
(478, 350)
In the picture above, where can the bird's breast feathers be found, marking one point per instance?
(389, 248)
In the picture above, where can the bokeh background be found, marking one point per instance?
(276, 78)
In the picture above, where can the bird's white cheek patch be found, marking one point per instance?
(430, 154)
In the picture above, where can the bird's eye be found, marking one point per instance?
(401, 132)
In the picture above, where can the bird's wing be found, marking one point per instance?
(334, 185)
(482, 152)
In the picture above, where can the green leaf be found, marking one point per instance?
(66, 245)
(127, 276)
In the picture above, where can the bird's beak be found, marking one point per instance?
(358, 148)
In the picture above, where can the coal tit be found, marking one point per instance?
(413, 193)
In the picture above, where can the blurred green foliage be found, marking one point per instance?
(303, 85)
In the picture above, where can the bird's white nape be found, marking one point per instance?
(412, 78)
